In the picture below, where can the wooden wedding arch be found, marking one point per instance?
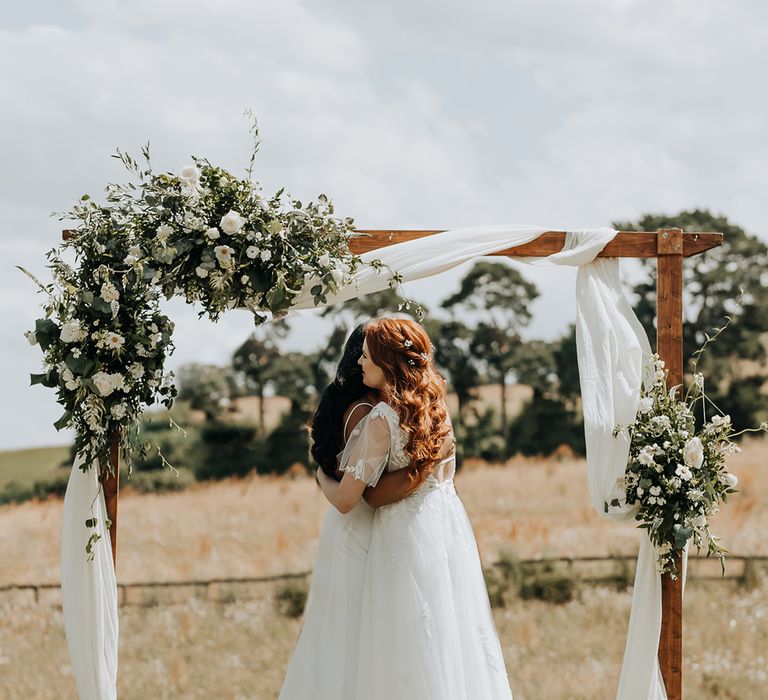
(669, 247)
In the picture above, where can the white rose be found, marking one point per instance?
(118, 381)
(212, 233)
(224, 255)
(699, 521)
(109, 292)
(163, 231)
(324, 260)
(645, 457)
(136, 370)
(72, 332)
(693, 453)
(231, 222)
(201, 272)
(190, 173)
(251, 251)
(731, 479)
(103, 383)
(31, 337)
(118, 411)
(645, 405)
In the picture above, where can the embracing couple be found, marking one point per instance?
(398, 608)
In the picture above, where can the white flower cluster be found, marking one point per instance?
(675, 478)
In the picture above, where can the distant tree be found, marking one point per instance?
(207, 388)
(549, 418)
(253, 362)
(498, 297)
(454, 356)
(712, 285)
(294, 378)
(567, 367)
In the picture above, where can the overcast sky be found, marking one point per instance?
(417, 114)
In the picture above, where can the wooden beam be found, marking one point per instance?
(626, 244)
(669, 345)
(110, 479)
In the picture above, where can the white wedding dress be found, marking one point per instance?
(328, 641)
(426, 629)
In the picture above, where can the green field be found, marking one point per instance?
(27, 466)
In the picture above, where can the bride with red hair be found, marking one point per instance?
(426, 628)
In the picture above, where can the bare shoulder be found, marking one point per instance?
(355, 412)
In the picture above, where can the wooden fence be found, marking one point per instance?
(594, 570)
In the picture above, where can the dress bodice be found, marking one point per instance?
(398, 459)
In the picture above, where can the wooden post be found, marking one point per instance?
(110, 479)
(669, 345)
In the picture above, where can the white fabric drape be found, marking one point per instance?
(611, 345)
(614, 360)
(89, 588)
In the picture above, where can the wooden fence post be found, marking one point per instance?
(669, 345)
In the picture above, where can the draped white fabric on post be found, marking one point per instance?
(614, 360)
(611, 345)
(89, 588)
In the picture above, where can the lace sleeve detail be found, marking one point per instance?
(367, 450)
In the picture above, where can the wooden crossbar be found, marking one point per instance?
(626, 244)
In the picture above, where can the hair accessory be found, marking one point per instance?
(407, 343)
(424, 356)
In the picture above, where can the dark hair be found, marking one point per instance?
(326, 428)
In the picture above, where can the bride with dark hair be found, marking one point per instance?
(326, 650)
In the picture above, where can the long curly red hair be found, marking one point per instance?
(402, 350)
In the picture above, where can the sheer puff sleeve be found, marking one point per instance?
(367, 450)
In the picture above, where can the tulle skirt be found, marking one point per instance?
(324, 662)
(427, 631)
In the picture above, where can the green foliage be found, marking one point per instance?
(482, 438)
(287, 444)
(543, 425)
(550, 586)
(291, 599)
(713, 283)
(207, 388)
(510, 576)
(499, 297)
(164, 481)
(227, 449)
(454, 355)
(18, 492)
(253, 363)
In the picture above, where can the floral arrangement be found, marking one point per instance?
(203, 234)
(676, 475)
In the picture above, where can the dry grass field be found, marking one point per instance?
(261, 526)
(238, 650)
(264, 525)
